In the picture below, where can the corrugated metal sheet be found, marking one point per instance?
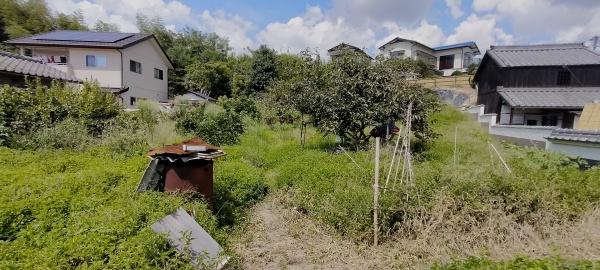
(553, 97)
(575, 135)
(544, 55)
(177, 149)
(189, 238)
(29, 66)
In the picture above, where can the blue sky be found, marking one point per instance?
(291, 26)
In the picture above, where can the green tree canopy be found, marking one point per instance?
(264, 69)
(28, 17)
(212, 77)
(102, 26)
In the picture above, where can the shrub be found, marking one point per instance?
(457, 73)
(126, 135)
(26, 110)
(220, 128)
(68, 134)
(66, 210)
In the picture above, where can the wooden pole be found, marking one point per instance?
(501, 159)
(387, 180)
(376, 195)
(454, 156)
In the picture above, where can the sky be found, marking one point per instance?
(292, 25)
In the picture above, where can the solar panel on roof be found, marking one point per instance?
(83, 36)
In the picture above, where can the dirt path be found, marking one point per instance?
(281, 238)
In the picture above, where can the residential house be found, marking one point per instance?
(538, 85)
(343, 48)
(15, 68)
(447, 58)
(131, 65)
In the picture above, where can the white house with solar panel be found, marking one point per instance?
(133, 66)
(447, 58)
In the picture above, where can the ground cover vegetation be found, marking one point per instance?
(70, 161)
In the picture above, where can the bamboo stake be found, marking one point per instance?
(376, 195)
(454, 156)
(501, 159)
(387, 180)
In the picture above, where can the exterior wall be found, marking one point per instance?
(108, 76)
(410, 49)
(522, 135)
(547, 76)
(575, 149)
(489, 78)
(458, 60)
(145, 86)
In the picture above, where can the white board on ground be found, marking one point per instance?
(189, 238)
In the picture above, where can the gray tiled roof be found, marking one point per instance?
(544, 55)
(29, 66)
(575, 135)
(79, 41)
(550, 97)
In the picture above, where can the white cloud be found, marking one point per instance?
(173, 13)
(482, 30)
(360, 12)
(316, 31)
(455, 9)
(534, 20)
(428, 34)
(232, 27)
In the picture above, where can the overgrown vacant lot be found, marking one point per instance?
(67, 209)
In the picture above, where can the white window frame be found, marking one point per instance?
(99, 61)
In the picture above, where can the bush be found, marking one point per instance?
(518, 263)
(126, 135)
(26, 110)
(67, 210)
(457, 73)
(68, 134)
(221, 128)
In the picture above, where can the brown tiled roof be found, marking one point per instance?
(17, 64)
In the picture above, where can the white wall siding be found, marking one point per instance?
(144, 85)
(108, 76)
(574, 149)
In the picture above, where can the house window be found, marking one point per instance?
(94, 60)
(563, 78)
(397, 54)
(447, 61)
(28, 52)
(158, 73)
(135, 66)
(132, 101)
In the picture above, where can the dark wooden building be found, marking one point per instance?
(540, 85)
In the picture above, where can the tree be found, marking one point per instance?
(184, 48)
(70, 22)
(351, 95)
(212, 77)
(102, 26)
(264, 69)
(3, 34)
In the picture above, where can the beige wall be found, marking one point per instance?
(108, 76)
(145, 85)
